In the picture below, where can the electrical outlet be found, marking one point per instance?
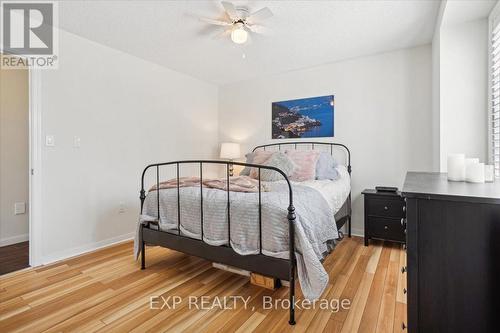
(50, 141)
(19, 208)
(77, 142)
(121, 209)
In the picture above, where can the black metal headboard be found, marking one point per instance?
(312, 144)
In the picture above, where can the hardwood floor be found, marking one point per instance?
(105, 291)
(14, 257)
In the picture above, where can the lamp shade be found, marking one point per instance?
(229, 150)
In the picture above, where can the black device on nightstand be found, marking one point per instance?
(384, 215)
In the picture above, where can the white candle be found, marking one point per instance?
(471, 161)
(470, 164)
(489, 173)
(456, 167)
(475, 173)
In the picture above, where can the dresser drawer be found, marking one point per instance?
(385, 207)
(386, 228)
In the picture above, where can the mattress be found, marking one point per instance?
(336, 191)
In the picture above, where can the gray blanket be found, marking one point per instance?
(315, 228)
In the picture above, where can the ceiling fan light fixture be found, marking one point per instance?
(239, 22)
(239, 35)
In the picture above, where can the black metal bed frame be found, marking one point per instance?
(283, 269)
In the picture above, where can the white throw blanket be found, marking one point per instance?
(315, 227)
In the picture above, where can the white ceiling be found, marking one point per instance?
(304, 33)
(463, 11)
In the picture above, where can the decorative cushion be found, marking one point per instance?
(246, 170)
(259, 157)
(326, 167)
(305, 162)
(278, 160)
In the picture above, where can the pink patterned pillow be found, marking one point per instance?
(259, 157)
(305, 162)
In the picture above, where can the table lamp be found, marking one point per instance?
(230, 151)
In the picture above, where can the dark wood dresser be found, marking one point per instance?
(453, 254)
(383, 216)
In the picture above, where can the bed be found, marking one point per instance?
(278, 229)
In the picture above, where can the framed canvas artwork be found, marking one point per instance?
(311, 117)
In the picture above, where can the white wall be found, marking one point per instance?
(463, 89)
(436, 98)
(128, 113)
(382, 112)
(14, 154)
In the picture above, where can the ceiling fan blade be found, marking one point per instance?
(216, 22)
(222, 34)
(260, 15)
(230, 10)
(258, 29)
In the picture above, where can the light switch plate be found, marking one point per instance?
(50, 141)
(121, 208)
(19, 208)
(77, 142)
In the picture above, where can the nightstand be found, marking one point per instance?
(384, 216)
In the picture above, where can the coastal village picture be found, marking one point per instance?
(303, 118)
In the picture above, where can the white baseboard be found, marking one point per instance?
(358, 232)
(354, 232)
(14, 240)
(66, 254)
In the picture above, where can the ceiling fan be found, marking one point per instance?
(239, 22)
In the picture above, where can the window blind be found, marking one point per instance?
(495, 97)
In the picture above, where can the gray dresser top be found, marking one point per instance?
(433, 184)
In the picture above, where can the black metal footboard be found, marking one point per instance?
(279, 268)
(284, 269)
